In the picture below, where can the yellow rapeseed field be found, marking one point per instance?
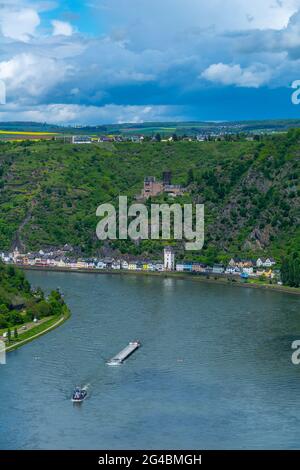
(27, 133)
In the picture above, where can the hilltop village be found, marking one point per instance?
(140, 138)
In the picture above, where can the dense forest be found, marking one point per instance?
(49, 192)
(20, 304)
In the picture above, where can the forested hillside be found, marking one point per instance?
(49, 192)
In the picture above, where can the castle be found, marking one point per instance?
(153, 188)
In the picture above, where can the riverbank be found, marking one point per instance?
(212, 278)
(39, 330)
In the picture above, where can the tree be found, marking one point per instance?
(11, 271)
(16, 333)
(39, 294)
(9, 335)
(190, 177)
(43, 309)
(158, 137)
(3, 309)
(290, 270)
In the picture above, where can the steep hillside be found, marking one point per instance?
(49, 192)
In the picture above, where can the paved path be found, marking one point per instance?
(35, 336)
(28, 325)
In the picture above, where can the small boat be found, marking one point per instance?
(79, 395)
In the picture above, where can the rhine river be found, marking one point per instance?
(214, 369)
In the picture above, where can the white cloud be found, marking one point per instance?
(76, 114)
(61, 28)
(249, 77)
(29, 75)
(153, 23)
(19, 24)
(237, 42)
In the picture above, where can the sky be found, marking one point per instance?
(113, 61)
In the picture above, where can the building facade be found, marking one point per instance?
(151, 187)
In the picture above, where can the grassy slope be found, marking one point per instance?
(39, 330)
(50, 192)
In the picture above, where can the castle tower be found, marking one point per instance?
(169, 259)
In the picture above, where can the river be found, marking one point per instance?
(214, 370)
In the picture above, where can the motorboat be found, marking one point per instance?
(79, 395)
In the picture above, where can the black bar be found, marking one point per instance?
(134, 459)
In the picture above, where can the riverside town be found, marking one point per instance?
(262, 267)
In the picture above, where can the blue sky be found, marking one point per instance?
(103, 61)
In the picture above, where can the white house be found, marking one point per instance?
(179, 267)
(60, 263)
(265, 262)
(260, 262)
(82, 265)
(116, 265)
(132, 266)
(151, 267)
(248, 270)
(50, 262)
(269, 262)
(81, 139)
(159, 267)
(124, 265)
(233, 262)
(218, 269)
(6, 258)
(232, 270)
(101, 265)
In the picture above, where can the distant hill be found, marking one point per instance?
(49, 192)
(151, 128)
